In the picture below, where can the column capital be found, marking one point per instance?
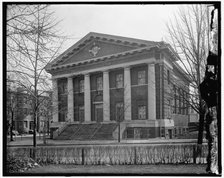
(127, 67)
(86, 74)
(106, 71)
(151, 63)
(70, 77)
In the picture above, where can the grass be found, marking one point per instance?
(120, 169)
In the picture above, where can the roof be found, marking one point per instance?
(138, 44)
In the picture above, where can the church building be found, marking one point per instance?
(109, 87)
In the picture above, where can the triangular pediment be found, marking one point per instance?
(96, 48)
(95, 45)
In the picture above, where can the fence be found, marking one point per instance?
(115, 154)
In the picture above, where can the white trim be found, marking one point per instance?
(97, 102)
(139, 85)
(160, 61)
(147, 61)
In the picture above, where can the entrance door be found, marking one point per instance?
(170, 133)
(99, 112)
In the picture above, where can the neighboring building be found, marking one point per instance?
(21, 103)
(103, 80)
(193, 120)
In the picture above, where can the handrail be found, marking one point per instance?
(59, 130)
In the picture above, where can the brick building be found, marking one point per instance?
(105, 81)
(20, 111)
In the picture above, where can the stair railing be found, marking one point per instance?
(96, 130)
(60, 129)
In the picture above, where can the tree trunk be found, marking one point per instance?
(34, 136)
(201, 127)
(212, 132)
(119, 130)
(11, 128)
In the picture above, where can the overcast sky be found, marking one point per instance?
(136, 21)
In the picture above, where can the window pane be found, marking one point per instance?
(130, 132)
(81, 86)
(142, 112)
(144, 133)
(168, 76)
(81, 113)
(141, 77)
(162, 132)
(99, 83)
(119, 112)
(119, 81)
(137, 133)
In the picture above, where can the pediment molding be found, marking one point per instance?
(129, 42)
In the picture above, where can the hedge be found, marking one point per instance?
(114, 154)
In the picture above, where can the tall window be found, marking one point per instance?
(141, 77)
(99, 83)
(175, 100)
(179, 93)
(25, 124)
(62, 86)
(142, 112)
(119, 81)
(184, 103)
(62, 115)
(81, 113)
(62, 99)
(31, 125)
(169, 108)
(162, 132)
(168, 76)
(119, 112)
(81, 86)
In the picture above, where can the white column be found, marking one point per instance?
(55, 100)
(151, 92)
(87, 98)
(70, 115)
(106, 96)
(127, 94)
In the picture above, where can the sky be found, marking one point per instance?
(146, 22)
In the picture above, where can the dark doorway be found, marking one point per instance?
(170, 133)
(99, 112)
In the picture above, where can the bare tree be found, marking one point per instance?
(11, 107)
(188, 34)
(32, 42)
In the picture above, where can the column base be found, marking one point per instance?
(166, 122)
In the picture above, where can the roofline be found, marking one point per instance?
(102, 58)
(180, 69)
(106, 36)
(140, 42)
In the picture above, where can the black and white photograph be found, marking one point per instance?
(111, 89)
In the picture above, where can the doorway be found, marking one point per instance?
(170, 133)
(99, 112)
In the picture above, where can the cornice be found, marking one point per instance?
(131, 42)
(102, 58)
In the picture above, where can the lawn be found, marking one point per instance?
(120, 169)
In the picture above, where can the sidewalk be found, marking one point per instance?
(28, 141)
